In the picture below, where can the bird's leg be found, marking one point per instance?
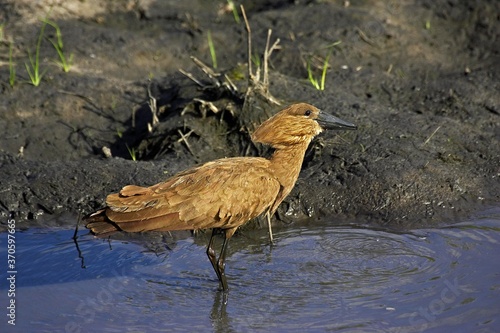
(221, 265)
(268, 216)
(211, 255)
(222, 258)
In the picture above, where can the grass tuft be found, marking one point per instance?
(64, 62)
(132, 153)
(319, 84)
(33, 68)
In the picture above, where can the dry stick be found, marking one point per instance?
(249, 43)
(430, 136)
(265, 80)
(267, 54)
(213, 76)
(154, 109)
(184, 138)
(206, 69)
(230, 83)
(191, 77)
(204, 105)
(254, 79)
(364, 37)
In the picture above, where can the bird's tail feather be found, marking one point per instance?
(99, 224)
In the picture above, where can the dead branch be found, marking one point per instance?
(255, 85)
(154, 109)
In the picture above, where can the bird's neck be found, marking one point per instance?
(286, 163)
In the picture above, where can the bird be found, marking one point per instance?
(222, 194)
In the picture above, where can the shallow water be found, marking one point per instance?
(315, 278)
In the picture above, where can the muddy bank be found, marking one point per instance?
(420, 79)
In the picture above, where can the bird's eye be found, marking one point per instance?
(307, 113)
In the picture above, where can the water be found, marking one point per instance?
(316, 278)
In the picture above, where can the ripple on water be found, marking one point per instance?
(346, 256)
(317, 273)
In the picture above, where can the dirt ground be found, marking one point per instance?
(419, 78)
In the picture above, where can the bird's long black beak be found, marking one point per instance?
(327, 121)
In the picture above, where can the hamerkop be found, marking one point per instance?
(222, 194)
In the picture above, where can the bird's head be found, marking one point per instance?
(297, 124)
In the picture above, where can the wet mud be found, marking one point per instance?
(419, 78)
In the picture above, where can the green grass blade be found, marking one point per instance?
(38, 45)
(12, 68)
(323, 74)
(212, 50)
(58, 32)
(236, 16)
(131, 152)
(32, 78)
(310, 76)
(64, 63)
(34, 68)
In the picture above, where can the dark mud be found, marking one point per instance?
(419, 78)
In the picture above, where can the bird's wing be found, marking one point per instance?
(224, 193)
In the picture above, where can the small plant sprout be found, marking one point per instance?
(310, 76)
(64, 63)
(231, 6)
(33, 68)
(320, 84)
(256, 60)
(212, 50)
(12, 68)
(428, 24)
(131, 152)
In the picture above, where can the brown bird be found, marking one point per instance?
(222, 194)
